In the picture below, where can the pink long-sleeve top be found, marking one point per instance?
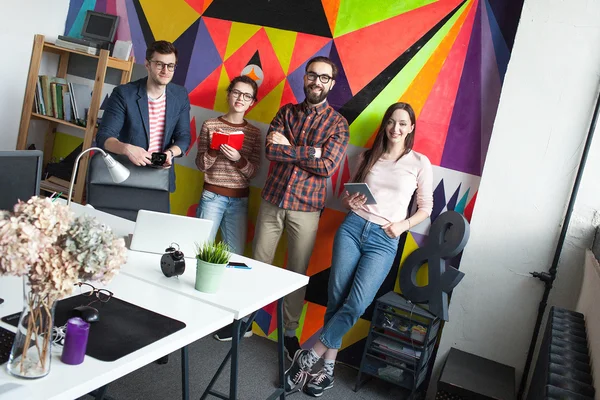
(393, 184)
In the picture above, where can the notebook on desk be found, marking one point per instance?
(155, 231)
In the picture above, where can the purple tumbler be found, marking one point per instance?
(75, 341)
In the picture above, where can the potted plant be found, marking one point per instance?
(211, 261)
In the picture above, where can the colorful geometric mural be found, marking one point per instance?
(446, 57)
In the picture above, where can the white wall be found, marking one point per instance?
(543, 117)
(21, 20)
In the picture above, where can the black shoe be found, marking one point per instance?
(224, 334)
(295, 377)
(292, 345)
(318, 383)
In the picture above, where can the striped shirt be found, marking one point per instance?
(218, 169)
(157, 110)
(297, 181)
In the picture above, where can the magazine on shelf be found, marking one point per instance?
(394, 347)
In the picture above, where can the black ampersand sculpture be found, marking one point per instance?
(448, 236)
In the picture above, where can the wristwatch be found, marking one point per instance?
(311, 152)
(171, 151)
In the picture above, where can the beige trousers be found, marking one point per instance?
(301, 228)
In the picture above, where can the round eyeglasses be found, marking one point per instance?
(87, 290)
(160, 65)
(236, 95)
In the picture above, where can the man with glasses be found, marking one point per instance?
(149, 115)
(306, 143)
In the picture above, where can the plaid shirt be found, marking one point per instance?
(297, 181)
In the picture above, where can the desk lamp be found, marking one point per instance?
(117, 171)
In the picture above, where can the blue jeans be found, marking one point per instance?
(362, 258)
(228, 213)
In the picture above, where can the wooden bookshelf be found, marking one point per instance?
(57, 120)
(104, 61)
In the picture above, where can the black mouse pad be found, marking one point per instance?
(122, 329)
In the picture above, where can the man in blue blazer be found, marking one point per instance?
(149, 115)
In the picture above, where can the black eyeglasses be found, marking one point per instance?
(160, 65)
(236, 94)
(87, 290)
(311, 76)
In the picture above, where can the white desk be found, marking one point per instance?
(242, 292)
(72, 381)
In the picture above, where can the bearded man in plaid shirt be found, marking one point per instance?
(306, 143)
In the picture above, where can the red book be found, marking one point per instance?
(234, 139)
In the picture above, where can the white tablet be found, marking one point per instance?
(361, 188)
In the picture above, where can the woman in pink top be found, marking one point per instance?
(366, 243)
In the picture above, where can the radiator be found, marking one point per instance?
(562, 371)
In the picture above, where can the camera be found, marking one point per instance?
(158, 159)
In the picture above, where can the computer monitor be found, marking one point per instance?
(99, 27)
(20, 176)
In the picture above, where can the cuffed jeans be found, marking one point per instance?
(301, 228)
(228, 213)
(362, 258)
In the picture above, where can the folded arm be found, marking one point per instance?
(332, 152)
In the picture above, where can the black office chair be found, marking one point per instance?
(146, 189)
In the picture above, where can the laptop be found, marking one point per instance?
(155, 231)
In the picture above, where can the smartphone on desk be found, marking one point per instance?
(238, 265)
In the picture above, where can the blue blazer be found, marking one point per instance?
(126, 118)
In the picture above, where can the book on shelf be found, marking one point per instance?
(233, 139)
(50, 101)
(53, 97)
(67, 106)
(81, 98)
(46, 97)
(41, 108)
(60, 99)
(51, 186)
(36, 101)
(73, 104)
(58, 181)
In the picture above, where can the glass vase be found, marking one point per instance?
(30, 355)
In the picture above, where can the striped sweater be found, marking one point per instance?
(218, 169)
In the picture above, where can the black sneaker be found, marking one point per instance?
(318, 384)
(295, 377)
(292, 345)
(225, 333)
